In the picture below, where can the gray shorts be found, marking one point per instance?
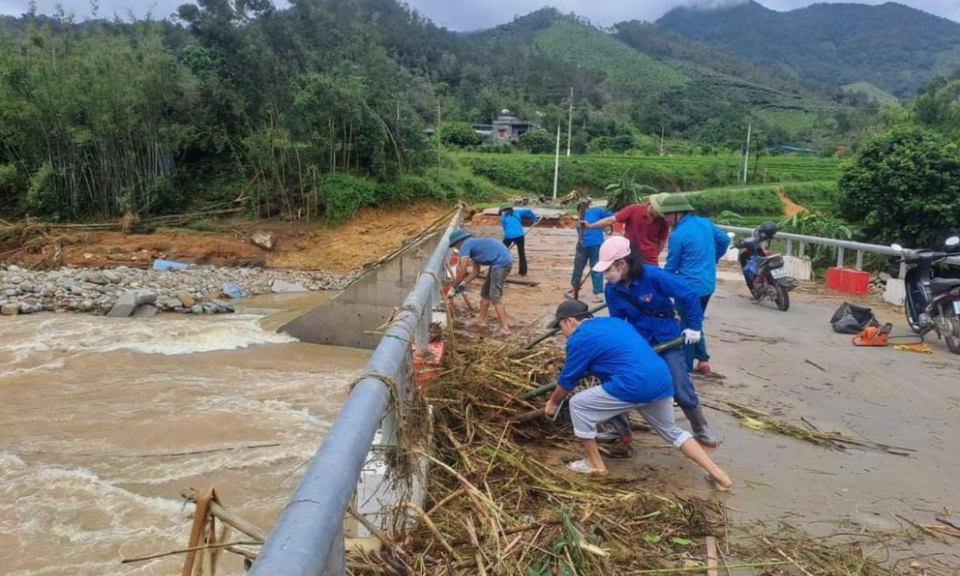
(593, 406)
(492, 289)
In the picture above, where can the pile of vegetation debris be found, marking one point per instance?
(496, 507)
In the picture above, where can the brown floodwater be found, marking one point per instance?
(97, 413)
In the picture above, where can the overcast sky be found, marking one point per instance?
(474, 14)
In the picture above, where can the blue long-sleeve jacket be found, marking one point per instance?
(628, 369)
(654, 292)
(693, 250)
(512, 226)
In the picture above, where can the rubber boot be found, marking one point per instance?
(701, 430)
(620, 430)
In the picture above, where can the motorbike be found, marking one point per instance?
(932, 304)
(765, 273)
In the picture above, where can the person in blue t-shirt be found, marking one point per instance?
(645, 296)
(477, 252)
(588, 251)
(511, 220)
(632, 377)
(693, 250)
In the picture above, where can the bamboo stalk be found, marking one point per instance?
(188, 550)
(704, 568)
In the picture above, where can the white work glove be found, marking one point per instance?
(691, 336)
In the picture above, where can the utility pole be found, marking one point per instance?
(663, 132)
(570, 123)
(746, 155)
(556, 165)
(438, 137)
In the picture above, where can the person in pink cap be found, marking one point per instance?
(646, 297)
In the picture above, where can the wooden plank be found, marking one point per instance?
(712, 556)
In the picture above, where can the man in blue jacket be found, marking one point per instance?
(511, 220)
(632, 377)
(693, 250)
(588, 250)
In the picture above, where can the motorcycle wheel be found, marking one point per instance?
(953, 337)
(782, 298)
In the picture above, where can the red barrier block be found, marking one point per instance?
(848, 281)
(855, 282)
(835, 279)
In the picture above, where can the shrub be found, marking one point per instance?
(904, 187)
(742, 202)
(343, 195)
(540, 142)
(459, 135)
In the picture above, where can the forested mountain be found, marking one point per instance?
(279, 108)
(893, 47)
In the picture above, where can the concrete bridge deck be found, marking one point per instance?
(793, 365)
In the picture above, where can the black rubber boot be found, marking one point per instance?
(701, 430)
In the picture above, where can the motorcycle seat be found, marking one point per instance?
(773, 261)
(941, 285)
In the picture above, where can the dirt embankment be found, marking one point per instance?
(790, 208)
(299, 245)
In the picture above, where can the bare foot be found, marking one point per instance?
(721, 482)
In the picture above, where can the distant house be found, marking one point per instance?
(791, 151)
(506, 129)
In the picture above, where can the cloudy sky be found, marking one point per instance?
(474, 14)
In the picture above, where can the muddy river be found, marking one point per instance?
(105, 421)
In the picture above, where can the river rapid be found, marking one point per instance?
(105, 421)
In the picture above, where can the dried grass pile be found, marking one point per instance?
(497, 508)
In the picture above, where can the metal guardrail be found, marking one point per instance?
(308, 538)
(841, 246)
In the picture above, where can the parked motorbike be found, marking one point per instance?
(932, 304)
(764, 273)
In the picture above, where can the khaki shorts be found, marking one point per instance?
(493, 286)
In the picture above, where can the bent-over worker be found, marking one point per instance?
(632, 377)
(477, 252)
(644, 296)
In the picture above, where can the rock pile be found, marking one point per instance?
(132, 291)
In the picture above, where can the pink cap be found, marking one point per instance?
(613, 249)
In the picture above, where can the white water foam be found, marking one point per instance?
(170, 337)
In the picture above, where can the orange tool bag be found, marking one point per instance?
(874, 336)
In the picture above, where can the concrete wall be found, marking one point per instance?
(354, 317)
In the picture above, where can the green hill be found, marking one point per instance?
(592, 49)
(891, 46)
(870, 91)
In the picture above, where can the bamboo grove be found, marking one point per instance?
(235, 101)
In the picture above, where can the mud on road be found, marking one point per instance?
(791, 364)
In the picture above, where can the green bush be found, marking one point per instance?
(343, 195)
(904, 187)
(459, 135)
(540, 142)
(743, 202)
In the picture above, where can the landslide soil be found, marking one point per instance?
(371, 234)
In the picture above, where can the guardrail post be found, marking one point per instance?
(903, 271)
(859, 260)
(336, 564)
(803, 249)
(840, 257)
(789, 246)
